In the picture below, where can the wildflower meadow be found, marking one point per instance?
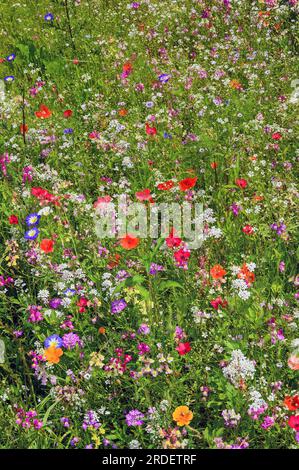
(149, 224)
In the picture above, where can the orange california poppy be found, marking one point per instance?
(129, 242)
(47, 245)
(43, 112)
(102, 330)
(53, 354)
(182, 415)
(217, 271)
(123, 112)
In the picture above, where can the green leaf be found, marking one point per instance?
(168, 285)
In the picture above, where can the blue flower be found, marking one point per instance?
(11, 57)
(49, 17)
(31, 234)
(167, 136)
(32, 219)
(164, 77)
(53, 340)
(68, 131)
(9, 78)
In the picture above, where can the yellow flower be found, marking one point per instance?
(182, 415)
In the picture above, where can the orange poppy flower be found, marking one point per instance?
(217, 271)
(235, 84)
(53, 354)
(292, 403)
(246, 274)
(129, 242)
(43, 112)
(102, 330)
(47, 245)
(123, 112)
(182, 415)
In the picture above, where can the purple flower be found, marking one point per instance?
(143, 329)
(134, 418)
(118, 306)
(268, 422)
(154, 268)
(143, 348)
(55, 303)
(70, 340)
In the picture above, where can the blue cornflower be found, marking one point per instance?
(164, 77)
(31, 234)
(9, 78)
(49, 17)
(11, 57)
(32, 219)
(53, 340)
(68, 131)
(167, 136)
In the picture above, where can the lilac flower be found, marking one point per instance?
(143, 329)
(70, 340)
(91, 420)
(154, 268)
(134, 418)
(65, 422)
(118, 306)
(268, 422)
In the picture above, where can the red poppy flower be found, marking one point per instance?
(294, 422)
(150, 130)
(214, 165)
(76, 61)
(248, 230)
(292, 403)
(129, 242)
(187, 183)
(47, 245)
(276, 136)
(43, 112)
(127, 67)
(183, 348)
(241, 183)
(68, 113)
(166, 186)
(13, 220)
(144, 195)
